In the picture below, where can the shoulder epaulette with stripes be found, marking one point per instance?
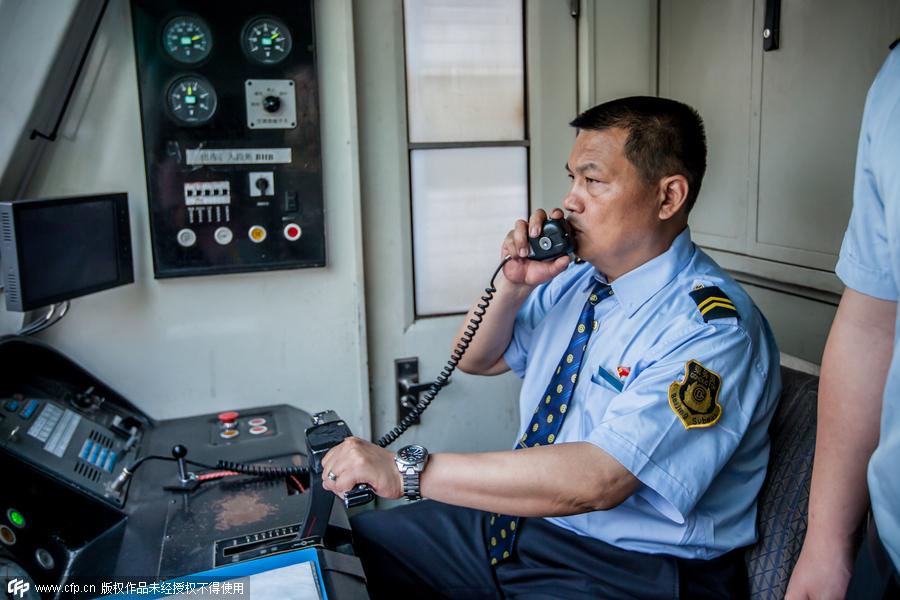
(713, 303)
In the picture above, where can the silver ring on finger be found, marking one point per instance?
(331, 476)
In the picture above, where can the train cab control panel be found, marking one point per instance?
(230, 117)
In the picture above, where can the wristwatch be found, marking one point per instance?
(411, 462)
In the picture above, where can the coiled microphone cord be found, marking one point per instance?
(264, 471)
(444, 378)
(222, 469)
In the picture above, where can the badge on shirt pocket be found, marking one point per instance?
(695, 399)
(606, 376)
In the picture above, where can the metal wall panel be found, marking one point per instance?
(813, 92)
(705, 60)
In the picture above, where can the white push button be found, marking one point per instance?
(45, 559)
(223, 235)
(187, 237)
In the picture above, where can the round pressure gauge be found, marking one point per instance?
(187, 39)
(266, 40)
(191, 100)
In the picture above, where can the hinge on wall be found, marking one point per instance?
(574, 8)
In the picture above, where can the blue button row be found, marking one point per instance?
(30, 408)
(98, 455)
(13, 405)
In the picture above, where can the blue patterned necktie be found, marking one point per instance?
(549, 414)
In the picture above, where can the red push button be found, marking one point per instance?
(229, 417)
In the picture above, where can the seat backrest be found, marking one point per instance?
(784, 498)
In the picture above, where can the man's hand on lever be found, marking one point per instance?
(356, 461)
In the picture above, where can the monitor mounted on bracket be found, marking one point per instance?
(56, 249)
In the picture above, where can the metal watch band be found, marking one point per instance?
(411, 486)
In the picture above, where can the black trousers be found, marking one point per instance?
(874, 576)
(433, 550)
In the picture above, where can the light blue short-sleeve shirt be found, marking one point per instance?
(870, 263)
(699, 484)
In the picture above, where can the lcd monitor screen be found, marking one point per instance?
(58, 249)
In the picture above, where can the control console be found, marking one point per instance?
(232, 427)
(77, 430)
(95, 490)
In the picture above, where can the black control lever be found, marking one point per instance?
(361, 494)
(322, 437)
(187, 481)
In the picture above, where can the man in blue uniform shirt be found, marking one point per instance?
(860, 383)
(649, 380)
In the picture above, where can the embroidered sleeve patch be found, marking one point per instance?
(713, 303)
(695, 399)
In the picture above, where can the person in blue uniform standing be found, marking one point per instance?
(858, 432)
(649, 380)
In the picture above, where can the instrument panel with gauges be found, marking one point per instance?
(230, 118)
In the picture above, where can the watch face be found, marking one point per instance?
(412, 454)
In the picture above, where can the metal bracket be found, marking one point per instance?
(54, 313)
(406, 371)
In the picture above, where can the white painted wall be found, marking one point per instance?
(26, 77)
(184, 346)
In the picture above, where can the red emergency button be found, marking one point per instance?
(229, 417)
(292, 232)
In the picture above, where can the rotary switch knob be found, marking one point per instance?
(271, 104)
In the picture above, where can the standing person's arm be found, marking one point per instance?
(520, 276)
(854, 369)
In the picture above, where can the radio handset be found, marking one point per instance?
(554, 240)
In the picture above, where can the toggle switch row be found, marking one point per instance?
(208, 214)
